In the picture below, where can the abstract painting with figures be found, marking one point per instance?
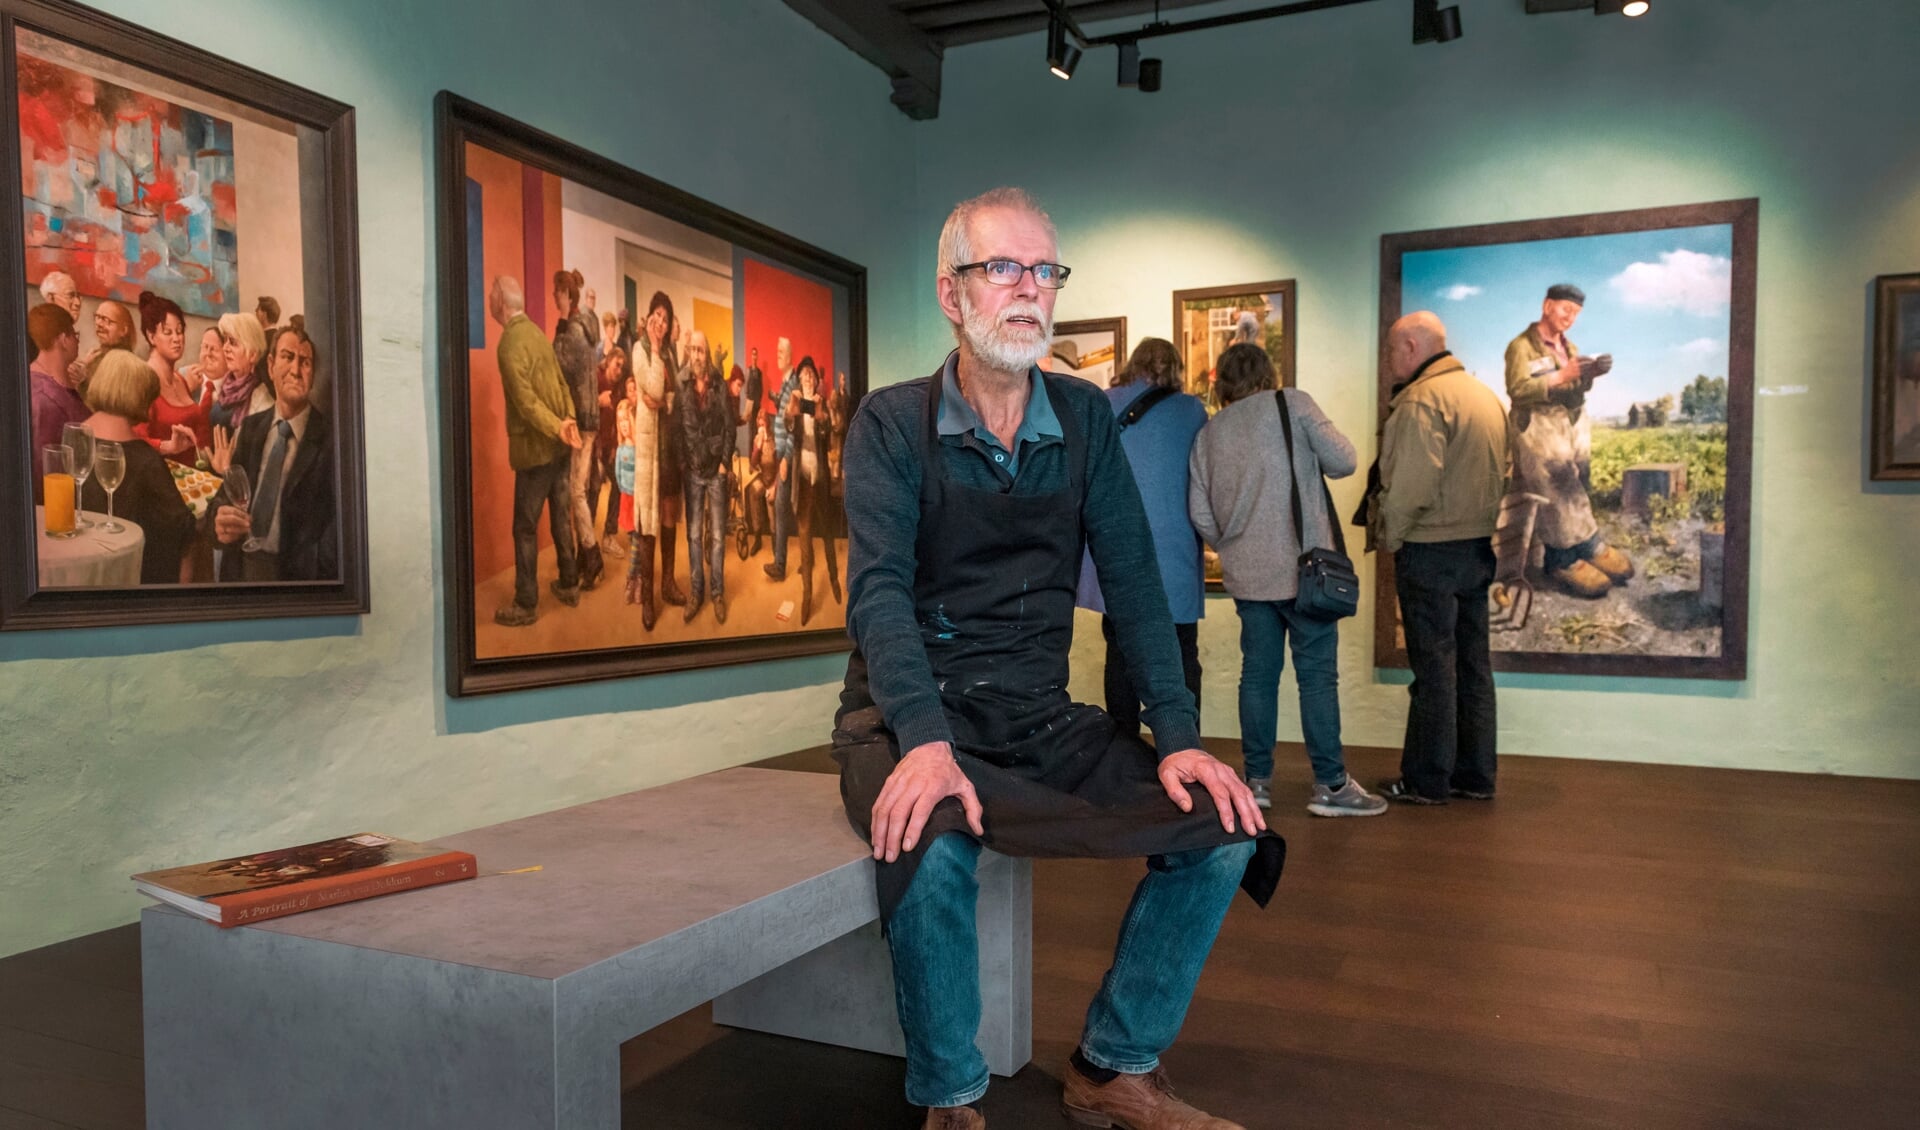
(188, 321)
(647, 402)
(1622, 540)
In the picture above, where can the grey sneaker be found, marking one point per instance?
(1347, 800)
(1262, 790)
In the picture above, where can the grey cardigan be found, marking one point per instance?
(1239, 490)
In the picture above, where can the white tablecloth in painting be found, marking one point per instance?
(94, 559)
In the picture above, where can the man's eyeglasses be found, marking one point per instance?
(1006, 272)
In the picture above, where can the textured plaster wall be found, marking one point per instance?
(1284, 150)
(121, 750)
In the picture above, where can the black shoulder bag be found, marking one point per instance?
(1329, 588)
(1142, 403)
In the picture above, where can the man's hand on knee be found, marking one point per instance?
(1230, 794)
(923, 778)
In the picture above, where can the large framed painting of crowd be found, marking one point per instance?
(184, 395)
(1622, 543)
(1894, 431)
(644, 398)
(1206, 320)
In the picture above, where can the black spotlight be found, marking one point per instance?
(1434, 24)
(1149, 76)
(1063, 55)
(1129, 64)
(1628, 8)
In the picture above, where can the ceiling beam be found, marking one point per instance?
(873, 30)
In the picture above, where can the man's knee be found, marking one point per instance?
(1228, 860)
(946, 867)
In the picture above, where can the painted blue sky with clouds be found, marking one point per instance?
(1659, 301)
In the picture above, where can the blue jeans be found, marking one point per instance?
(1164, 941)
(706, 537)
(1265, 626)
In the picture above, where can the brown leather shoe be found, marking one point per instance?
(1616, 565)
(1582, 579)
(954, 1118)
(1133, 1102)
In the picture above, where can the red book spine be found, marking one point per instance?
(292, 898)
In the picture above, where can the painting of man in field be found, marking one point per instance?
(1614, 354)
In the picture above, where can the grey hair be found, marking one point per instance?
(512, 299)
(956, 245)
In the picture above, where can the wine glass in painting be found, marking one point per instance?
(79, 437)
(110, 467)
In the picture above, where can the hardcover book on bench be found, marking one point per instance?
(271, 884)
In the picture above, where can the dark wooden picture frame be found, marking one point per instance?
(1743, 218)
(1289, 320)
(330, 267)
(1115, 326)
(1896, 358)
(458, 123)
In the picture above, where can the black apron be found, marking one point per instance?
(994, 596)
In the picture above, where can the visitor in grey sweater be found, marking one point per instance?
(1239, 495)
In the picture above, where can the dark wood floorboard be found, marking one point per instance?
(1605, 946)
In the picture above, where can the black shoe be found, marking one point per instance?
(1399, 792)
(592, 567)
(693, 609)
(775, 572)
(567, 596)
(1470, 794)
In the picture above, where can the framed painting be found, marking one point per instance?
(1894, 432)
(1622, 542)
(1206, 321)
(643, 401)
(1093, 349)
(185, 396)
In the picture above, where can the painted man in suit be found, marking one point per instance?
(288, 457)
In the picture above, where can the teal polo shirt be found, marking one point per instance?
(1039, 425)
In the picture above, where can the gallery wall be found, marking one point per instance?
(131, 748)
(1286, 149)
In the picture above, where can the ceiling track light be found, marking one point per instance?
(1627, 8)
(1434, 24)
(1063, 54)
(1149, 76)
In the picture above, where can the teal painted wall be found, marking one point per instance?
(124, 750)
(1285, 149)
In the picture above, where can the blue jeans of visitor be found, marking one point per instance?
(706, 537)
(1265, 629)
(1164, 941)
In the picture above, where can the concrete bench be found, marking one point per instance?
(503, 1001)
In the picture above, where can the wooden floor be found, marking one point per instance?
(1605, 945)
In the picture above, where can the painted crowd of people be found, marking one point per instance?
(618, 425)
(245, 400)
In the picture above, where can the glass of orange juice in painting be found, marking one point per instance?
(57, 482)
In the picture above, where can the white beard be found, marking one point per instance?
(1010, 349)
